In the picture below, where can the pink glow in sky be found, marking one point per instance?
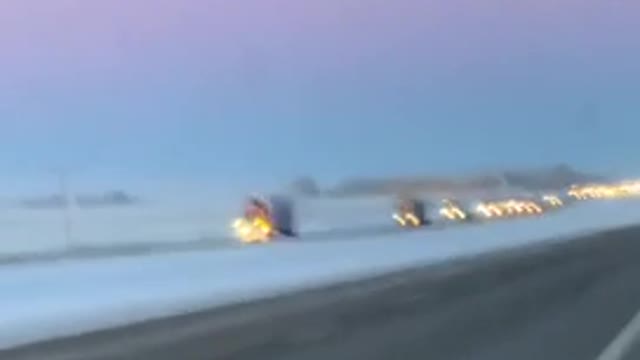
(112, 35)
(197, 69)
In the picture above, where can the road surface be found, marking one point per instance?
(141, 249)
(562, 301)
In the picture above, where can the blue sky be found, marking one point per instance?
(207, 91)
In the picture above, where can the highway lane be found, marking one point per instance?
(141, 249)
(357, 232)
(561, 301)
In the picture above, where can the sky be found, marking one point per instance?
(224, 91)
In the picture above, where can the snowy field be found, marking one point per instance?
(45, 300)
(44, 230)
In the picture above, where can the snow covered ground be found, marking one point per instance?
(45, 300)
(44, 230)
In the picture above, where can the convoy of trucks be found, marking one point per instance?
(268, 219)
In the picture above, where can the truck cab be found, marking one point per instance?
(265, 219)
(410, 212)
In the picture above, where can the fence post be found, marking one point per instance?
(66, 204)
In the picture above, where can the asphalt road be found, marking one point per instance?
(141, 249)
(566, 301)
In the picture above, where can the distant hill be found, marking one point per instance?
(529, 180)
(555, 177)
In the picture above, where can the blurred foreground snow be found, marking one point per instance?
(47, 300)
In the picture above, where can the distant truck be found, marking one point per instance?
(410, 212)
(265, 219)
(454, 211)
